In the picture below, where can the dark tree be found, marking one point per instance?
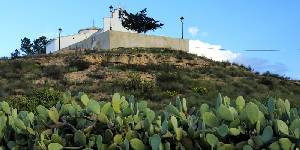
(15, 54)
(39, 45)
(26, 46)
(139, 22)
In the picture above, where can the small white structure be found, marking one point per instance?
(66, 41)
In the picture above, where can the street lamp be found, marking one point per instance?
(111, 11)
(59, 32)
(181, 19)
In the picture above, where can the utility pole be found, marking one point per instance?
(111, 11)
(59, 32)
(181, 19)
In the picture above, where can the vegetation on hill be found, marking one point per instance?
(83, 123)
(154, 75)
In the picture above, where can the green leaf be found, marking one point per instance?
(218, 101)
(137, 144)
(84, 99)
(295, 125)
(105, 108)
(223, 130)
(178, 104)
(267, 134)
(210, 119)
(19, 124)
(184, 105)
(142, 105)
(282, 127)
(225, 113)
(94, 107)
(240, 103)
(285, 143)
(118, 139)
(167, 146)
(174, 122)
(150, 114)
(5, 107)
(55, 146)
(67, 97)
(102, 118)
(126, 144)
(42, 111)
(99, 142)
(234, 131)
(247, 147)
(53, 114)
(173, 110)
(275, 146)
(252, 112)
(108, 136)
(79, 138)
(55, 138)
(155, 142)
(179, 134)
(204, 108)
(212, 140)
(116, 102)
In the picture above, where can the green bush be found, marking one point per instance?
(45, 97)
(79, 63)
(83, 123)
(54, 71)
(200, 90)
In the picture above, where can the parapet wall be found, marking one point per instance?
(125, 39)
(116, 39)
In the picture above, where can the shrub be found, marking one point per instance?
(200, 90)
(45, 97)
(54, 71)
(79, 63)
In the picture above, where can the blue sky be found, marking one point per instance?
(236, 26)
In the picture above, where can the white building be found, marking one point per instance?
(66, 41)
(83, 34)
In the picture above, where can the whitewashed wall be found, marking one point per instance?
(66, 41)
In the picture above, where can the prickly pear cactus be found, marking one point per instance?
(83, 123)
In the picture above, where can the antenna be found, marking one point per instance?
(93, 22)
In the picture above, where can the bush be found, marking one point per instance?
(79, 63)
(45, 97)
(54, 71)
(200, 90)
(83, 123)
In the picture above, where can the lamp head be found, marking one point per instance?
(111, 8)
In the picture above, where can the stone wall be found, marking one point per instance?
(116, 39)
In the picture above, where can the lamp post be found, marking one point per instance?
(111, 11)
(59, 32)
(181, 19)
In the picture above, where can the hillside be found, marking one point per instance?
(156, 75)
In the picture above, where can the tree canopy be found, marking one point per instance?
(139, 22)
(38, 46)
(26, 46)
